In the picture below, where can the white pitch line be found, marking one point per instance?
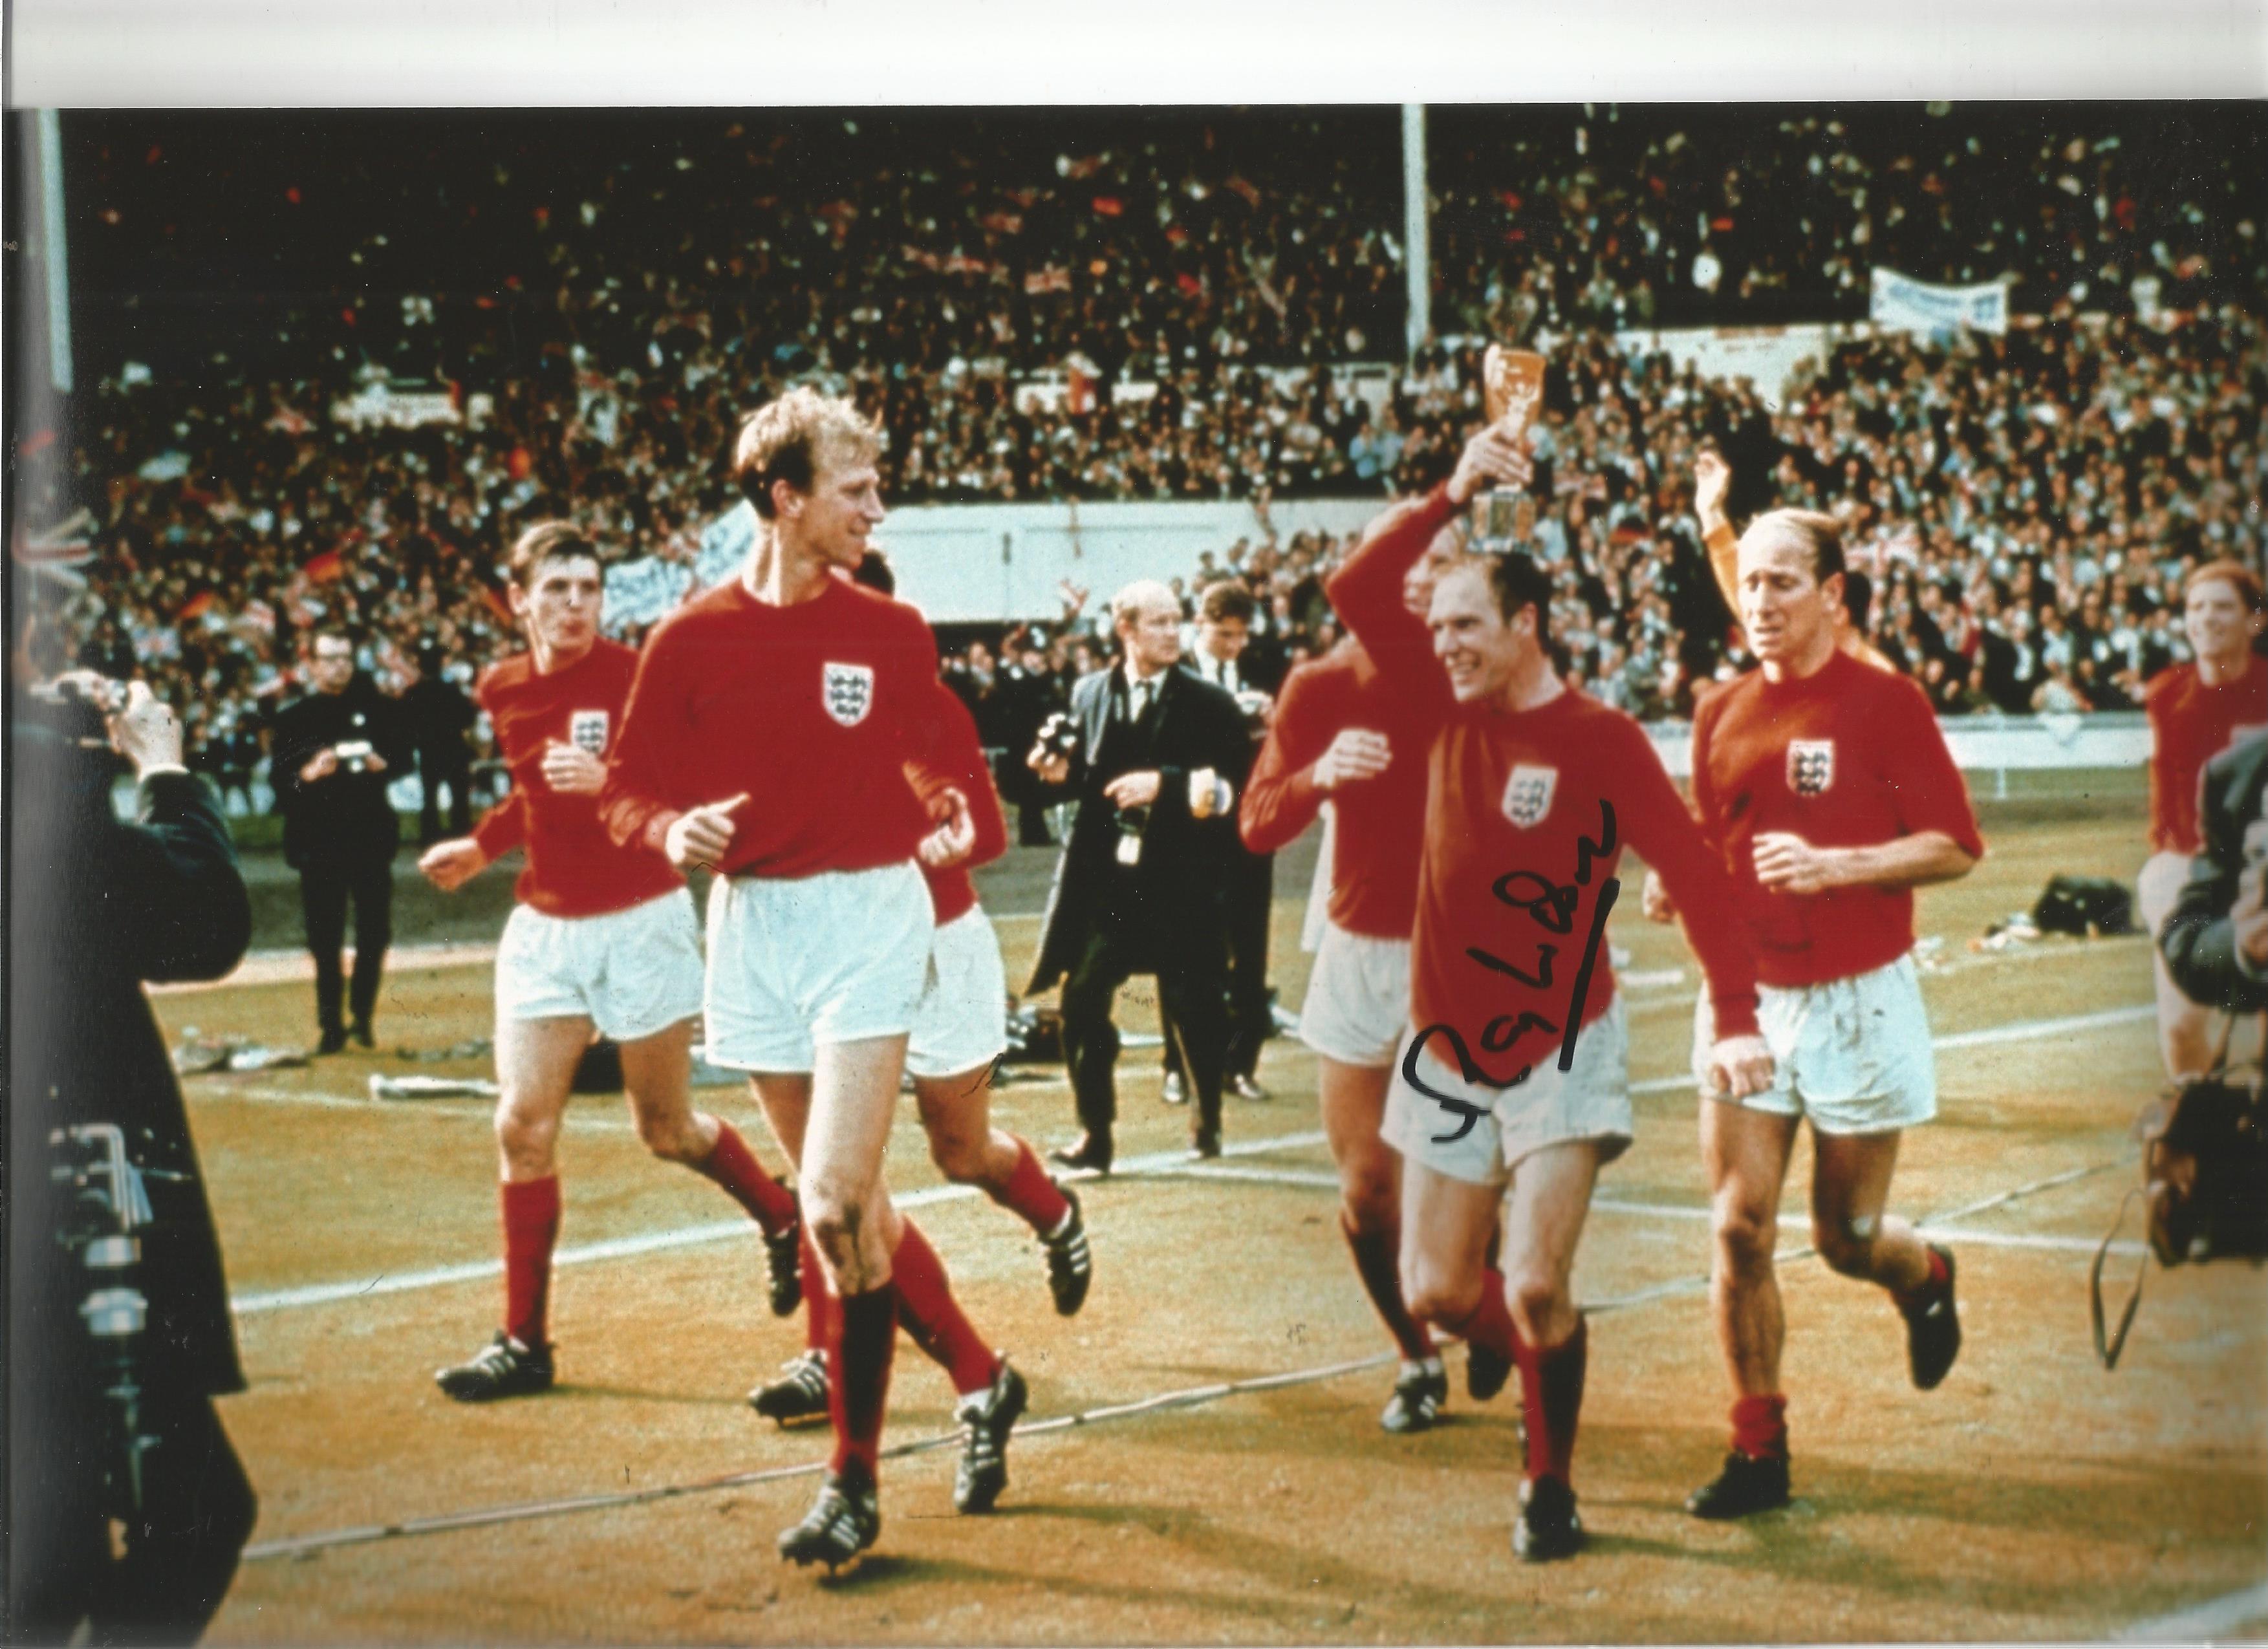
(455, 1108)
(2203, 1622)
(683, 1237)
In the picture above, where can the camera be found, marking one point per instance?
(104, 695)
(1060, 735)
(354, 755)
(109, 1204)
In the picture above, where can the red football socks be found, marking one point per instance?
(1030, 1195)
(929, 1313)
(1760, 1427)
(1377, 1262)
(818, 1304)
(1552, 1400)
(865, 1334)
(734, 1167)
(531, 1230)
(1490, 1325)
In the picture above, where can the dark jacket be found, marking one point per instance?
(345, 816)
(437, 714)
(1184, 860)
(96, 907)
(2200, 937)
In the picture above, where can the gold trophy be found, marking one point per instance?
(1512, 385)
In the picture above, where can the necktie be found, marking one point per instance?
(1139, 703)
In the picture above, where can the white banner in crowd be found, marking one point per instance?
(1913, 305)
(640, 592)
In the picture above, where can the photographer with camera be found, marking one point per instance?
(127, 1505)
(335, 753)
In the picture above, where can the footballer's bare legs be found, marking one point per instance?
(1353, 1102)
(535, 1062)
(657, 1077)
(1543, 1223)
(2185, 1040)
(853, 1097)
(956, 1113)
(1745, 1153)
(1850, 1186)
(1445, 1226)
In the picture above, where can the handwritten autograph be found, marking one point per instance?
(1551, 906)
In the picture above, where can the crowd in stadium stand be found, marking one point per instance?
(1193, 291)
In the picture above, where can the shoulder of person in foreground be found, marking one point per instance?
(163, 898)
(2199, 939)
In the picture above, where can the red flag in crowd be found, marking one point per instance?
(324, 568)
(1190, 283)
(1249, 191)
(196, 607)
(1108, 205)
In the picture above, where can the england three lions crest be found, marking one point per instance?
(1810, 766)
(850, 692)
(586, 730)
(1528, 794)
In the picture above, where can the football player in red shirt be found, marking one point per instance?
(603, 938)
(1829, 792)
(1344, 734)
(960, 1028)
(2196, 710)
(1512, 1087)
(768, 737)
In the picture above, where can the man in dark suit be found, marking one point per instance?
(335, 752)
(1140, 886)
(111, 1420)
(438, 716)
(1222, 656)
(2216, 939)
(1027, 693)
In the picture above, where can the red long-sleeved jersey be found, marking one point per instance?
(1526, 814)
(959, 762)
(2189, 724)
(574, 868)
(1849, 756)
(813, 710)
(1380, 827)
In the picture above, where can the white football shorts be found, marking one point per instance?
(961, 1022)
(1589, 1100)
(1358, 1006)
(795, 961)
(631, 973)
(1852, 1055)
